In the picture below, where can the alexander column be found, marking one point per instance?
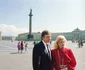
(30, 25)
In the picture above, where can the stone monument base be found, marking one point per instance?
(30, 37)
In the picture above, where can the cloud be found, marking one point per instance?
(11, 30)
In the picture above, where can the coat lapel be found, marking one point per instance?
(44, 51)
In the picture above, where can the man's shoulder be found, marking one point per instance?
(37, 45)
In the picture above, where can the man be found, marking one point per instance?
(42, 53)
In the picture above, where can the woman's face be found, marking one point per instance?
(61, 43)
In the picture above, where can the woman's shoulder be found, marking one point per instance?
(53, 50)
(67, 49)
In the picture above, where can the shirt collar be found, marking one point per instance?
(45, 43)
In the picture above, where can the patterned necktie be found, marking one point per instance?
(49, 51)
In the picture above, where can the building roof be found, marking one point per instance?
(76, 30)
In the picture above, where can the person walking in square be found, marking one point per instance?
(22, 46)
(19, 46)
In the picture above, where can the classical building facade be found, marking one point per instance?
(76, 34)
(8, 38)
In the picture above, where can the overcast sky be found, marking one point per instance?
(52, 15)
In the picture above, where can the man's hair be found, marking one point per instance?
(45, 32)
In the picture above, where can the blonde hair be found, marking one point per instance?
(60, 37)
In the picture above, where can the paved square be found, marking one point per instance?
(11, 60)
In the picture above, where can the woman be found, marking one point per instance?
(62, 57)
(18, 46)
(26, 46)
(22, 46)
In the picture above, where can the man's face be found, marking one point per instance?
(47, 38)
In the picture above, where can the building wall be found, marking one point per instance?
(76, 34)
(22, 37)
(8, 38)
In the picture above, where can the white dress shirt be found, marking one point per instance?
(45, 44)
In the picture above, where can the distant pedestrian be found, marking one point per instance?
(19, 46)
(81, 43)
(22, 46)
(34, 42)
(26, 46)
